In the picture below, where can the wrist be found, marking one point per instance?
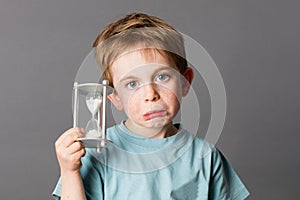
(67, 173)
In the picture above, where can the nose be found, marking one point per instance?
(150, 93)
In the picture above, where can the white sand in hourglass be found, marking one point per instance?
(92, 128)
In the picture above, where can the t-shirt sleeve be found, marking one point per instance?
(92, 181)
(56, 192)
(225, 183)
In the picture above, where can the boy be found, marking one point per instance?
(143, 58)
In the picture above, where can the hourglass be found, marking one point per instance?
(96, 102)
(93, 101)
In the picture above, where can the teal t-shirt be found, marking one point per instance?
(180, 167)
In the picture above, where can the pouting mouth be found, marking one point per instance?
(154, 114)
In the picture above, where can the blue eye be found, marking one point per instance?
(163, 77)
(131, 84)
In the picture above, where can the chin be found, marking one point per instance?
(156, 123)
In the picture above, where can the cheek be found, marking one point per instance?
(174, 87)
(172, 93)
(132, 104)
(173, 100)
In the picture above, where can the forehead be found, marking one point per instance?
(136, 58)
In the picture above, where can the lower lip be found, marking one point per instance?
(155, 114)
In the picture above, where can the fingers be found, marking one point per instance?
(75, 147)
(69, 137)
(75, 152)
(69, 151)
(78, 154)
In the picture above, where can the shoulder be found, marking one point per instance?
(224, 182)
(112, 133)
(201, 149)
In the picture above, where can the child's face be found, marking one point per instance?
(148, 90)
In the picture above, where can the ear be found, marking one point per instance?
(115, 99)
(187, 81)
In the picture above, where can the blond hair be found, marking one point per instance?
(140, 31)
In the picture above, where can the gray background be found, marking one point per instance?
(254, 43)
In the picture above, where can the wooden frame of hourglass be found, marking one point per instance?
(86, 89)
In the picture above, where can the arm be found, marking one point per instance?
(225, 183)
(72, 186)
(69, 153)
